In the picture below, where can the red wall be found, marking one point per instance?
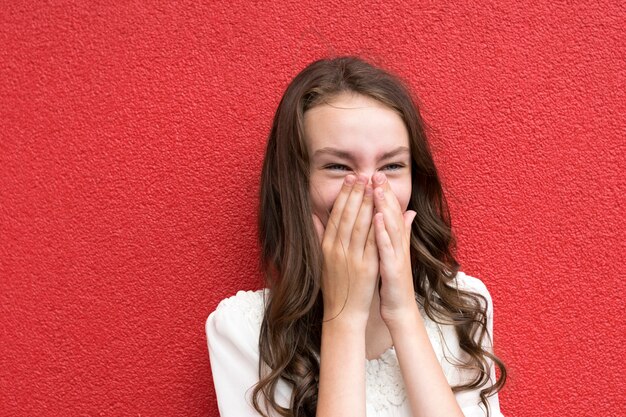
(131, 140)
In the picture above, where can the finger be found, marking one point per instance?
(370, 249)
(319, 228)
(351, 209)
(380, 180)
(363, 222)
(409, 216)
(394, 223)
(335, 215)
(383, 242)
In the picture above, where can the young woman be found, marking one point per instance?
(366, 310)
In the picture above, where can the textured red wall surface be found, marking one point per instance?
(131, 139)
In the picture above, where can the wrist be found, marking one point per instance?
(345, 316)
(403, 319)
(345, 323)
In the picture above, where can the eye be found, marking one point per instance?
(394, 167)
(337, 167)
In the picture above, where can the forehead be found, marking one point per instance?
(354, 123)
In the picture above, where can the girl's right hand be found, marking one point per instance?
(350, 271)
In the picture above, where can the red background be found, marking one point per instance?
(131, 140)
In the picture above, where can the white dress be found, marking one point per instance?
(233, 335)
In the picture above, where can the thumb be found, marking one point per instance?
(409, 216)
(319, 228)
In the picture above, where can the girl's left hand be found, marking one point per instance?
(393, 234)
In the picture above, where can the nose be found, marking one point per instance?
(369, 175)
(363, 177)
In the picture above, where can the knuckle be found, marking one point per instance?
(346, 187)
(359, 229)
(358, 187)
(337, 250)
(348, 211)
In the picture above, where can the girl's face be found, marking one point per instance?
(355, 134)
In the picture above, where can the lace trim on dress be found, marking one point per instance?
(247, 303)
(383, 381)
(384, 386)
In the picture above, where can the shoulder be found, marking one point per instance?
(472, 284)
(248, 302)
(240, 312)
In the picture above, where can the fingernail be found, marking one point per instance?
(362, 179)
(349, 179)
(379, 178)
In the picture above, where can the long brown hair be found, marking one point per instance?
(291, 256)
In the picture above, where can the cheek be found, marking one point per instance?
(402, 190)
(323, 195)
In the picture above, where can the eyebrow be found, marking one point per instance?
(348, 156)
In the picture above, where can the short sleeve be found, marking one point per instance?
(232, 332)
(469, 401)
